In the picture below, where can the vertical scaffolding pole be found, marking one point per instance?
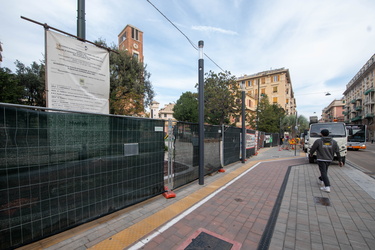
(170, 154)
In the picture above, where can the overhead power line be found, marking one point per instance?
(192, 44)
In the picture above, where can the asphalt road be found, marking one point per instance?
(364, 158)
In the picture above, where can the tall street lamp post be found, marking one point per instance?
(201, 113)
(243, 124)
(257, 120)
(296, 129)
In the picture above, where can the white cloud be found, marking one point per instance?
(322, 43)
(214, 29)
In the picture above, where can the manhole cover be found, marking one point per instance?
(238, 200)
(322, 200)
(207, 241)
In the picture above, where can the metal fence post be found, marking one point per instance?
(170, 154)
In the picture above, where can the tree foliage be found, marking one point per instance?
(289, 124)
(26, 86)
(10, 90)
(268, 118)
(32, 79)
(221, 93)
(130, 89)
(186, 107)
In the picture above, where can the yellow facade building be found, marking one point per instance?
(275, 84)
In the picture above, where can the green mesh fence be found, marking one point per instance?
(232, 145)
(61, 169)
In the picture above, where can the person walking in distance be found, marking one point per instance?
(325, 148)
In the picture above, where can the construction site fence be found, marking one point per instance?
(222, 146)
(60, 169)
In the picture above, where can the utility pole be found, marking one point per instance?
(81, 22)
(243, 150)
(201, 112)
(257, 120)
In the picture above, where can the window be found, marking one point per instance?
(249, 103)
(275, 89)
(274, 100)
(276, 78)
(262, 91)
(135, 34)
(287, 101)
(123, 37)
(263, 80)
(249, 83)
(135, 56)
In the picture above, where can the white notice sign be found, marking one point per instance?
(77, 75)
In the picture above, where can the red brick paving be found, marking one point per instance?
(240, 212)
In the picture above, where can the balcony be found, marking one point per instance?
(352, 101)
(345, 112)
(357, 118)
(358, 108)
(369, 91)
(369, 115)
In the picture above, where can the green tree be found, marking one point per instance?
(131, 90)
(303, 124)
(32, 79)
(186, 107)
(10, 90)
(221, 95)
(289, 124)
(268, 118)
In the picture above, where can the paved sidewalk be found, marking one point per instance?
(270, 202)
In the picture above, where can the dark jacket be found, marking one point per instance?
(325, 148)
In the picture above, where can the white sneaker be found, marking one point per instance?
(326, 189)
(321, 183)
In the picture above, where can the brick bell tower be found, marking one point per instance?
(131, 40)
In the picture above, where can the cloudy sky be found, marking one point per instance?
(323, 43)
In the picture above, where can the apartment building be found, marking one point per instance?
(359, 98)
(131, 40)
(275, 84)
(334, 111)
(167, 112)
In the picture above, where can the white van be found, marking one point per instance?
(337, 131)
(306, 141)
